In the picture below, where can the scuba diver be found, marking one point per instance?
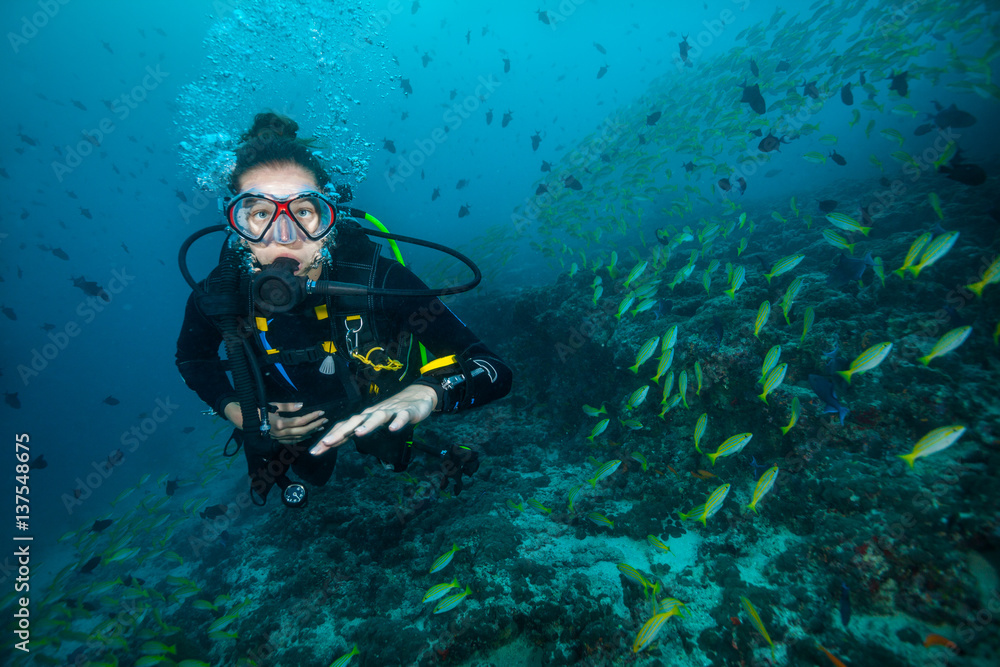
(326, 340)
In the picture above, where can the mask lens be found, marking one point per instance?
(313, 215)
(252, 215)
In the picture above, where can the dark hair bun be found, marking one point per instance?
(269, 125)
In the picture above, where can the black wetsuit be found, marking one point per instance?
(350, 388)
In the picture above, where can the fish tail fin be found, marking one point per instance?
(901, 271)
(865, 230)
(768, 276)
(915, 270)
(846, 375)
(850, 247)
(593, 482)
(977, 288)
(731, 293)
(909, 458)
(786, 429)
(925, 360)
(713, 456)
(752, 506)
(763, 397)
(634, 368)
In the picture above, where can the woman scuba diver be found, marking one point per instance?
(319, 329)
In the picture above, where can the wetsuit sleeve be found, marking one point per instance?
(198, 360)
(488, 378)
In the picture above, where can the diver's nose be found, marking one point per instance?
(284, 230)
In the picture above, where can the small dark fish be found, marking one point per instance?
(757, 133)
(690, 166)
(79, 105)
(48, 327)
(38, 462)
(25, 213)
(849, 269)
(180, 195)
(453, 94)
(653, 117)
(541, 189)
(846, 96)
(546, 166)
(770, 143)
(572, 183)
(505, 121)
(600, 48)
(468, 36)
(772, 173)
(160, 32)
(111, 400)
(404, 115)
(129, 580)
(26, 139)
(685, 48)
(464, 211)
(783, 66)
(756, 466)
(506, 65)
(60, 253)
(107, 47)
(188, 429)
(826, 392)
(415, 6)
(86, 213)
(12, 400)
(953, 117)
(923, 129)
(543, 16)
(753, 67)
(426, 58)
(752, 96)
(838, 158)
(489, 116)
(435, 194)
(214, 511)
(90, 288)
(828, 205)
(9, 312)
(862, 77)
(899, 83)
(811, 90)
(171, 486)
(959, 170)
(601, 72)
(884, 182)
(125, 247)
(536, 140)
(461, 184)
(663, 307)
(389, 145)
(845, 604)
(725, 185)
(742, 183)
(89, 566)
(642, 139)
(100, 525)
(405, 85)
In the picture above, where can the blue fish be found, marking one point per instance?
(756, 466)
(828, 394)
(663, 307)
(849, 269)
(845, 604)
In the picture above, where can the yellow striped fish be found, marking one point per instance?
(783, 265)
(936, 204)
(445, 558)
(682, 385)
(770, 361)
(946, 344)
(697, 377)
(637, 397)
(796, 411)
(452, 601)
(658, 543)
(666, 359)
(847, 223)
(699, 430)
(937, 440)
(636, 271)
(732, 445)
(649, 631)
(604, 471)
(668, 386)
(913, 253)
(339, 662)
(879, 268)
(990, 275)
(764, 485)
(936, 249)
(762, 314)
(669, 338)
(739, 277)
(773, 379)
(757, 623)
(807, 322)
(837, 241)
(625, 304)
(633, 574)
(788, 298)
(670, 405)
(868, 360)
(714, 503)
(434, 592)
(645, 352)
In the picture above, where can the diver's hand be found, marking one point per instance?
(283, 429)
(289, 430)
(410, 406)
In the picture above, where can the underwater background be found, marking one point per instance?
(681, 475)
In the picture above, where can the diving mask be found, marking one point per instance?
(253, 216)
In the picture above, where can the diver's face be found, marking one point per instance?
(283, 181)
